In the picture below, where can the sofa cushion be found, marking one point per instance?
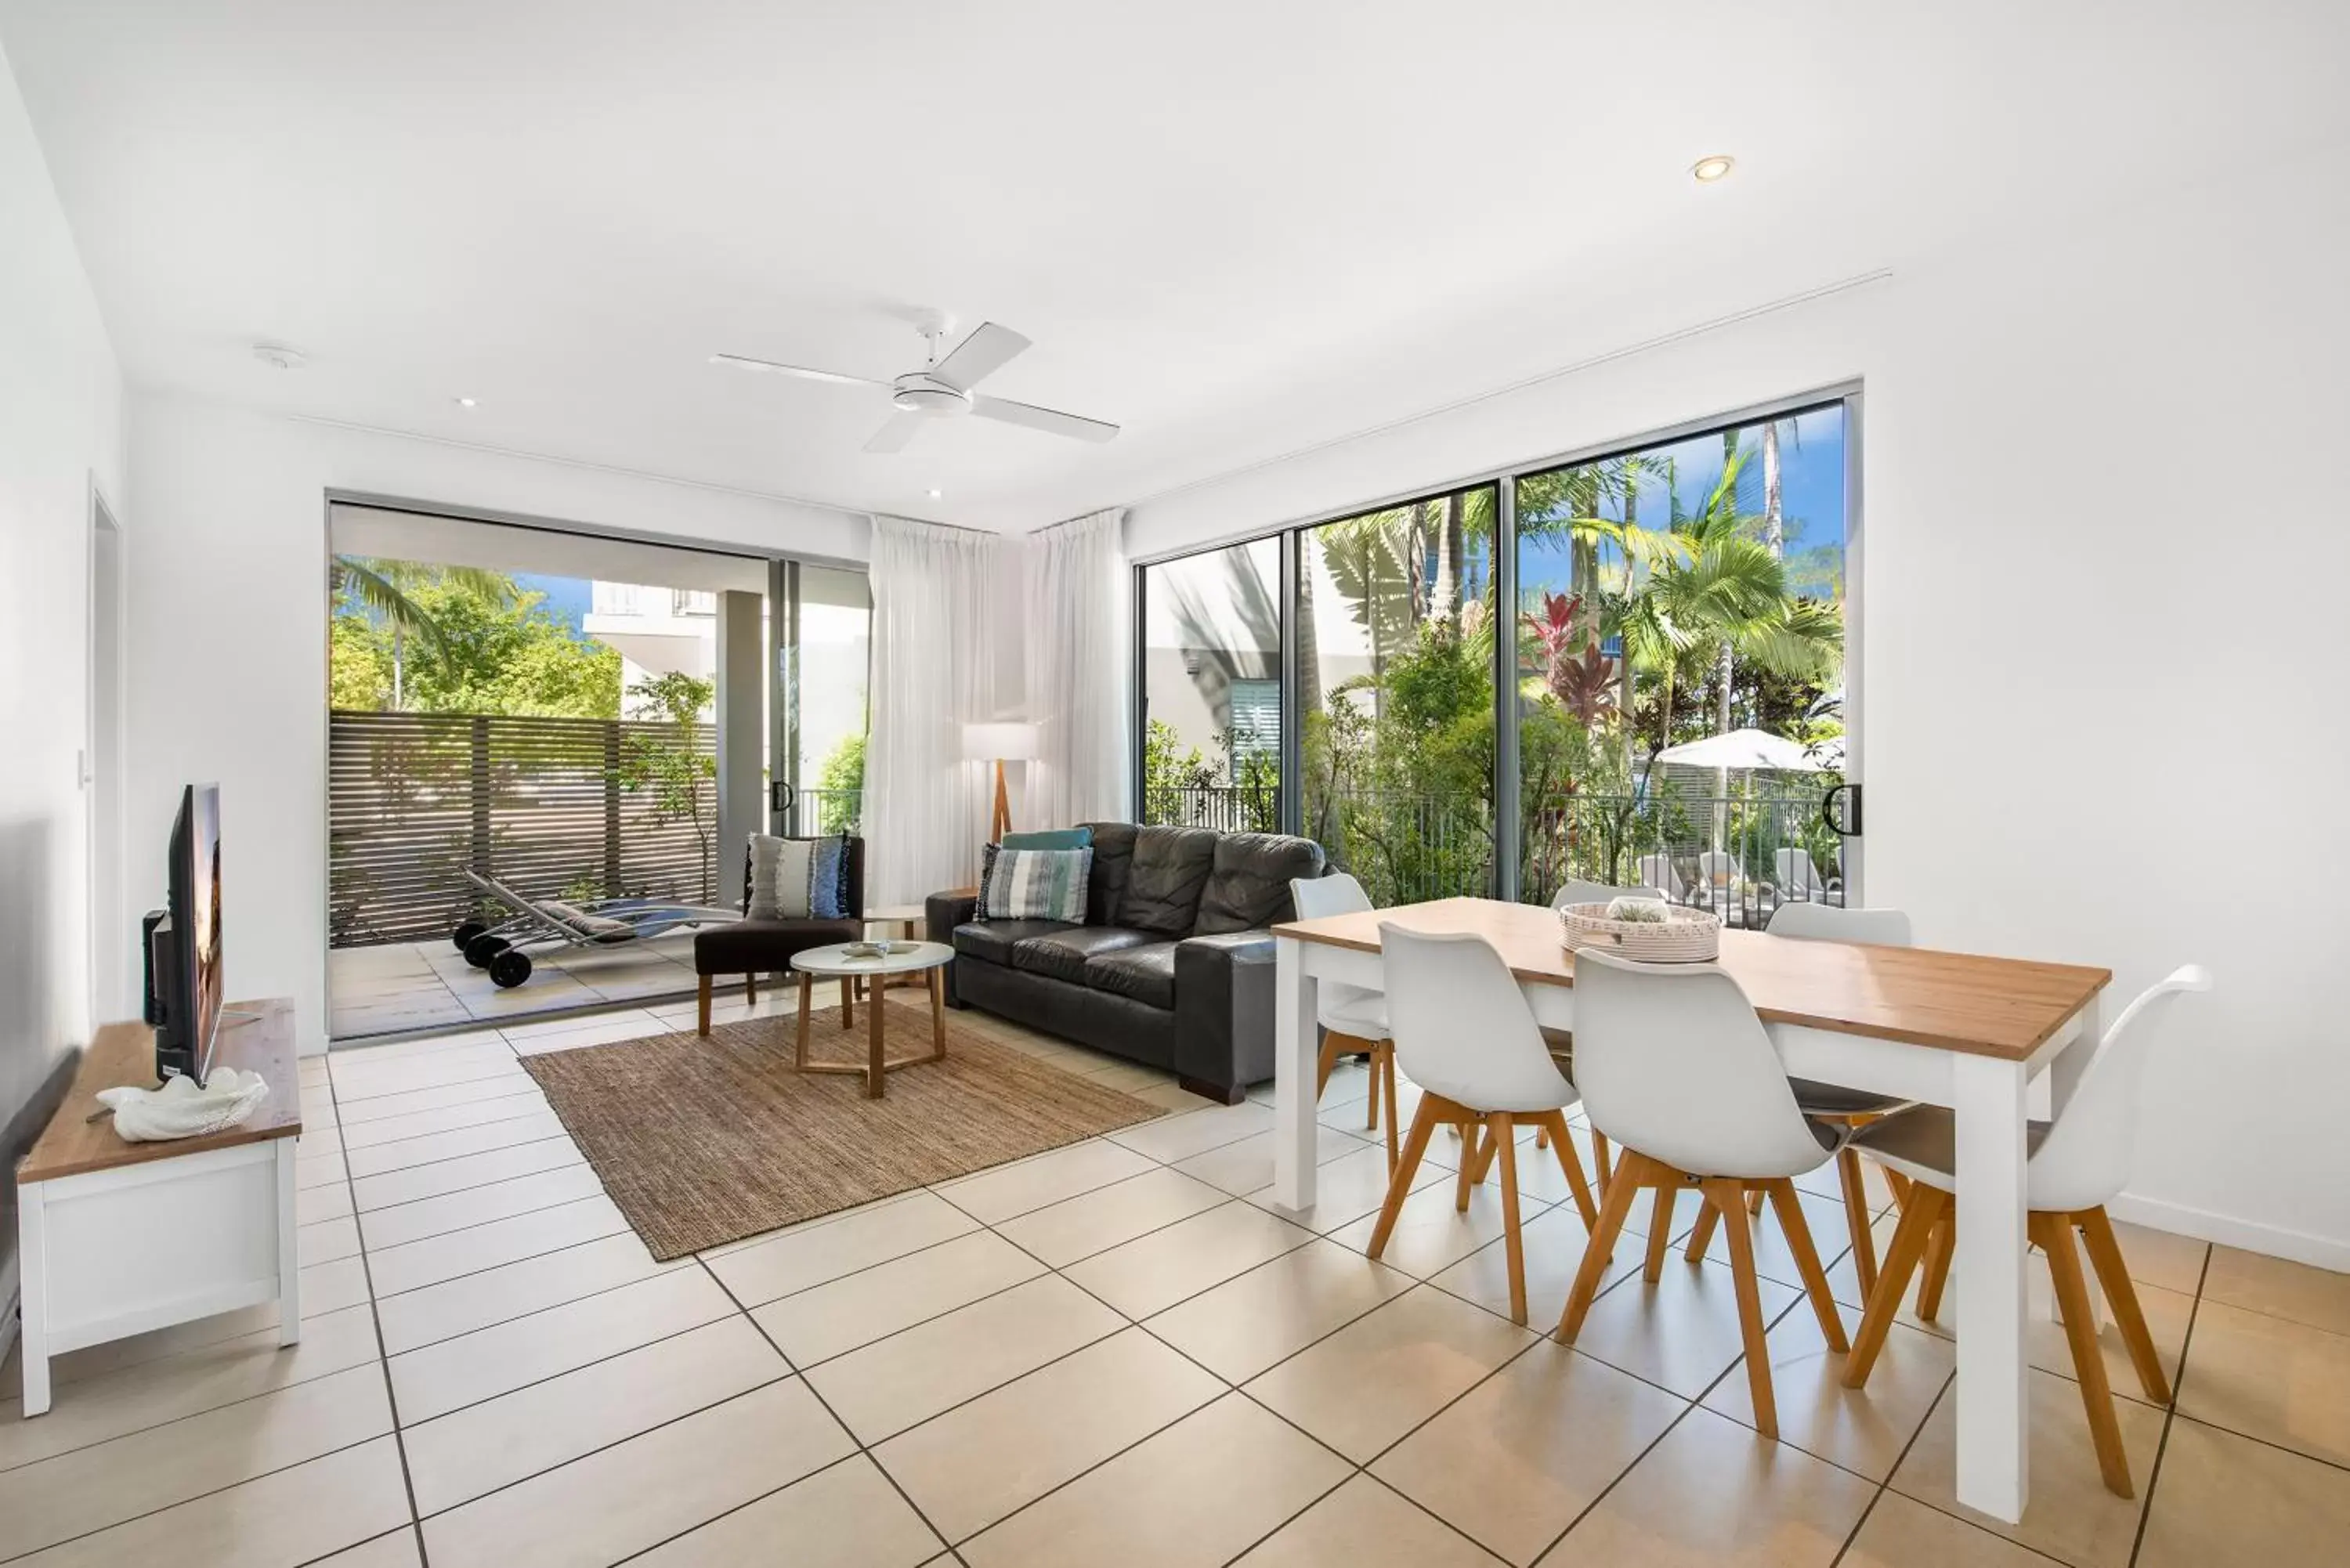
(1063, 953)
(992, 939)
(756, 947)
(1146, 973)
(1049, 838)
(1113, 859)
(1248, 887)
(1162, 889)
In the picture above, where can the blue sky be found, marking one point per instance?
(1811, 491)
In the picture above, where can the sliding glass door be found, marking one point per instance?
(1627, 668)
(1212, 681)
(1394, 694)
(821, 649)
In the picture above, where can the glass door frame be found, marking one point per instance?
(1506, 793)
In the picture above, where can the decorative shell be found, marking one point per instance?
(1682, 936)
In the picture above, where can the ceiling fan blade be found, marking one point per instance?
(895, 433)
(1038, 419)
(984, 352)
(741, 363)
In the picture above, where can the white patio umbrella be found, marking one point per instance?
(1755, 751)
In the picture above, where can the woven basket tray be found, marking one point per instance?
(1686, 936)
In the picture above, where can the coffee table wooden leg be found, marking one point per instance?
(877, 1074)
(847, 1001)
(938, 1015)
(799, 1049)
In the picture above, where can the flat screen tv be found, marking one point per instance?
(183, 942)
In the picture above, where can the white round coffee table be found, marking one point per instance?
(927, 958)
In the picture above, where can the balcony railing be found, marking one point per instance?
(1739, 855)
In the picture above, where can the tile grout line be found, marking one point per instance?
(1891, 1470)
(383, 1360)
(2171, 1413)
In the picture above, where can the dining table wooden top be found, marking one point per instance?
(1969, 1002)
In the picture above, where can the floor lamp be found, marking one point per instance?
(999, 743)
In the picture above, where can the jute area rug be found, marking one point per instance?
(701, 1142)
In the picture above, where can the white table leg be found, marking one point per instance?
(289, 1258)
(33, 1286)
(1988, 1275)
(1294, 1049)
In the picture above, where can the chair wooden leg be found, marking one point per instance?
(1541, 1136)
(1506, 1136)
(1901, 1255)
(2056, 1239)
(751, 989)
(1474, 1152)
(1570, 1164)
(1599, 1161)
(1938, 1264)
(1790, 1210)
(702, 1007)
(1621, 1190)
(1856, 1219)
(848, 1003)
(1423, 1123)
(1660, 1227)
(1725, 1195)
(1385, 1065)
(1371, 1103)
(1754, 1203)
(2113, 1273)
(1701, 1233)
(1328, 1060)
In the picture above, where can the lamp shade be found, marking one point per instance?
(1008, 743)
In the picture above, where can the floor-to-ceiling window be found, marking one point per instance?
(1395, 694)
(1212, 711)
(1626, 668)
(1670, 597)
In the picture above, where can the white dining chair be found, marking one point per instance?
(1828, 1102)
(1464, 1034)
(1675, 1064)
(1354, 1018)
(2075, 1165)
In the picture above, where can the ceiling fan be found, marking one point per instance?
(942, 388)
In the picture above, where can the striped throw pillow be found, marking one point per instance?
(1034, 884)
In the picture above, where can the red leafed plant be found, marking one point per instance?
(1581, 677)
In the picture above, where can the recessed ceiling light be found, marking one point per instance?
(1709, 170)
(467, 402)
(935, 494)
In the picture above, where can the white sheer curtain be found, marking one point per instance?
(926, 808)
(1079, 672)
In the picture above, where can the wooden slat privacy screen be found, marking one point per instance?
(537, 803)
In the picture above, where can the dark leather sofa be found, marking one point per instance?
(1173, 966)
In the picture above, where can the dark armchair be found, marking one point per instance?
(753, 948)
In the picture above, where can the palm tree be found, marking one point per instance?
(380, 587)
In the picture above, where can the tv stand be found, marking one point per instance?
(117, 1238)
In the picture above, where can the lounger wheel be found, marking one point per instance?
(464, 935)
(483, 947)
(509, 968)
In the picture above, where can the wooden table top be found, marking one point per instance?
(1957, 1001)
(125, 1054)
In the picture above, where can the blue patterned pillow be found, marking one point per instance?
(828, 879)
(1034, 884)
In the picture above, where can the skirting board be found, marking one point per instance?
(2271, 1241)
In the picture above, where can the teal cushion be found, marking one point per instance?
(1054, 839)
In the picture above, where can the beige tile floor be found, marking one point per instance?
(1121, 1351)
(409, 986)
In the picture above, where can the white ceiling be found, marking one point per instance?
(1238, 227)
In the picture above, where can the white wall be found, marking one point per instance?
(61, 432)
(228, 608)
(2102, 584)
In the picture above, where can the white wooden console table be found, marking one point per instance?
(117, 1238)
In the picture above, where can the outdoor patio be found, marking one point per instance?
(402, 986)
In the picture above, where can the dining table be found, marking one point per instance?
(1967, 1031)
